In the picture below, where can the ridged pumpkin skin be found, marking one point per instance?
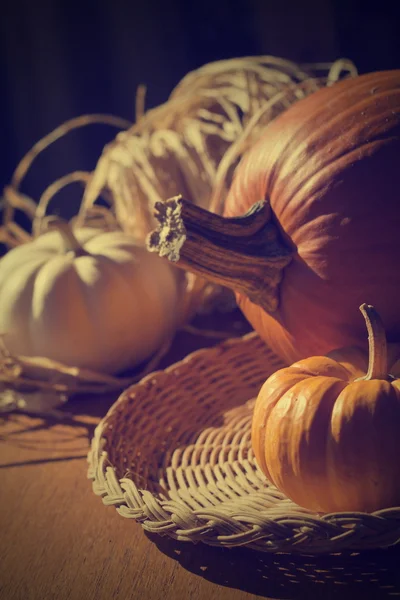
(105, 310)
(330, 167)
(328, 442)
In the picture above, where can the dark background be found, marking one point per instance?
(62, 59)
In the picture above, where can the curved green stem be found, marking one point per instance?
(377, 345)
(71, 243)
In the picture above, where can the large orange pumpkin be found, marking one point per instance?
(327, 172)
(330, 168)
(327, 435)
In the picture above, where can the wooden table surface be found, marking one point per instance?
(58, 541)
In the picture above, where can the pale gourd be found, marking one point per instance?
(89, 298)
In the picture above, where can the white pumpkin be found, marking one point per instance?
(90, 299)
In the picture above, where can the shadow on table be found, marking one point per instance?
(69, 428)
(367, 575)
(204, 331)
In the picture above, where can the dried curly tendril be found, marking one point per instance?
(189, 145)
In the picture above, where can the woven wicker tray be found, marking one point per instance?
(174, 453)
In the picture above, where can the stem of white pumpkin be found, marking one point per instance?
(243, 253)
(378, 358)
(71, 243)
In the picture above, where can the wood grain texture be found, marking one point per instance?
(59, 542)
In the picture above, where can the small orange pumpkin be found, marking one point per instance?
(327, 434)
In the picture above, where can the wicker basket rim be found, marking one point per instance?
(294, 530)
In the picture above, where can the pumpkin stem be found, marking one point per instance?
(71, 243)
(242, 253)
(378, 358)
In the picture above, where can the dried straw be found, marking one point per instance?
(178, 147)
(190, 145)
